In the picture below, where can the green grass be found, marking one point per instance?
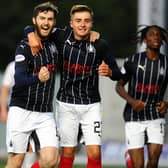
(2, 165)
(80, 166)
(76, 166)
(113, 166)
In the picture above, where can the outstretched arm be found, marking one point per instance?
(94, 36)
(34, 41)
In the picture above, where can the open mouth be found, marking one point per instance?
(45, 28)
(156, 43)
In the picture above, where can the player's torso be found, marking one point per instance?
(79, 82)
(148, 84)
(38, 96)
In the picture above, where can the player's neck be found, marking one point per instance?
(40, 37)
(153, 54)
(80, 38)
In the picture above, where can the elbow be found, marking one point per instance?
(117, 87)
(116, 75)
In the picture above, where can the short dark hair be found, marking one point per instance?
(46, 6)
(80, 8)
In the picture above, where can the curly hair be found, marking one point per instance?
(143, 29)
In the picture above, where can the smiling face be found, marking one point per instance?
(153, 38)
(81, 23)
(44, 23)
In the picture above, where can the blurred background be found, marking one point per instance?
(117, 21)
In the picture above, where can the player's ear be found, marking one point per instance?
(70, 23)
(144, 40)
(54, 22)
(33, 20)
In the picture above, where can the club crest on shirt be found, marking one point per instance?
(161, 70)
(123, 71)
(91, 48)
(53, 49)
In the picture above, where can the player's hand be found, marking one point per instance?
(35, 43)
(94, 36)
(138, 105)
(162, 107)
(44, 74)
(104, 70)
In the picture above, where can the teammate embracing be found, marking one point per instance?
(78, 98)
(32, 95)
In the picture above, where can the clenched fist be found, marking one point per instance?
(138, 105)
(104, 70)
(44, 74)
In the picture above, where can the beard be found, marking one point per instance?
(42, 37)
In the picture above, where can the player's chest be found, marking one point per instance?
(151, 71)
(83, 54)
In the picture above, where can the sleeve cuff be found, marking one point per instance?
(28, 29)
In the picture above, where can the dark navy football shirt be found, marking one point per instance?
(28, 92)
(147, 81)
(80, 61)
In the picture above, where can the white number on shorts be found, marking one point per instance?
(161, 128)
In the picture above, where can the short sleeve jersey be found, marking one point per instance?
(8, 77)
(147, 81)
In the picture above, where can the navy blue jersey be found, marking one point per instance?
(147, 82)
(80, 61)
(28, 92)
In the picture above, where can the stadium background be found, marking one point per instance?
(116, 20)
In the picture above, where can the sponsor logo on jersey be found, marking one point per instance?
(162, 71)
(148, 89)
(19, 58)
(91, 48)
(76, 68)
(53, 49)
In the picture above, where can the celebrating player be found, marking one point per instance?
(147, 76)
(78, 99)
(32, 95)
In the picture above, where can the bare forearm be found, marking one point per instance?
(123, 93)
(4, 96)
(4, 102)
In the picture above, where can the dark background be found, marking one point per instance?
(115, 20)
